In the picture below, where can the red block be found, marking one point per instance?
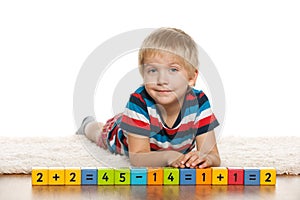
(235, 176)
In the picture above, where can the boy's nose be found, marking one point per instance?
(162, 78)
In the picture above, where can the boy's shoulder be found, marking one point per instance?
(197, 93)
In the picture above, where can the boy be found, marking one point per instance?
(165, 119)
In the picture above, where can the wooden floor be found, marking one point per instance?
(19, 187)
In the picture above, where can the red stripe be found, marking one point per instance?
(157, 148)
(201, 94)
(139, 97)
(190, 97)
(207, 120)
(135, 122)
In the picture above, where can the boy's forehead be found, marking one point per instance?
(159, 56)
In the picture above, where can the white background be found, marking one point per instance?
(254, 45)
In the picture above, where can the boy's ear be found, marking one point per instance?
(193, 79)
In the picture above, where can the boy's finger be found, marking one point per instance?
(192, 159)
(185, 158)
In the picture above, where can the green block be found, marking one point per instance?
(106, 176)
(171, 176)
(122, 176)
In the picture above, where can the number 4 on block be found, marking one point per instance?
(171, 176)
(106, 176)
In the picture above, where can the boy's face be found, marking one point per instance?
(166, 79)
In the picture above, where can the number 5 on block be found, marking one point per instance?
(122, 176)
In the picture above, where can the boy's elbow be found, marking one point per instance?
(134, 160)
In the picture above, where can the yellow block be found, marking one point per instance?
(219, 176)
(73, 176)
(267, 176)
(56, 176)
(39, 176)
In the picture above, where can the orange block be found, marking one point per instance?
(203, 176)
(155, 176)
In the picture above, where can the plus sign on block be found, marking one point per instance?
(56, 176)
(219, 176)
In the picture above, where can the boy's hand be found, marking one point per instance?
(195, 159)
(177, 163)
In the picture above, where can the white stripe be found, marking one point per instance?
(135, 115)
(168, 144)
(203, 114)
(188, 118)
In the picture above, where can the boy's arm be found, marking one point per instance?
(207, 154)
(140, 154)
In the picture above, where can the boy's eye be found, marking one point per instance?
(173, 69)
(151, 70)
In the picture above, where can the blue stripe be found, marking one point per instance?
(205, 106)
(135, 108)
(174, 141)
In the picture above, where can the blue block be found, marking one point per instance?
(138, 176)
(89, 176)
(251, 176)
(187, 176)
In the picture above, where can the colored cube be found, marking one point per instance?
(171, 176)
(106, 176)
(251, 176)
(203, 176)
(138, 176)
(235, 176)
(267, 176)
(89, 176)
(155, 176)
(39, 176)
(72, 176)
(122, 176)
(56, 176)
(219, 176)
(187, 176)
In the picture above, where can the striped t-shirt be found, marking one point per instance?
(142, 117)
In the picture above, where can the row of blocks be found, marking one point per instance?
(153, 176)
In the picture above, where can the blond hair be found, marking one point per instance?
(174, 41)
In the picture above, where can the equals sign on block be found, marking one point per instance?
(188, 177)
(252, 177)
(89, 177)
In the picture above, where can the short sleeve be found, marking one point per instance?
(135, 118)
(205, 119)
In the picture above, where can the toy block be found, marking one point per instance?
(251, 176)
(106, 176)
(39, 176)
(56, 176)
(171, 176)
(155, 176)
(72, 176)
(235, 176)
(122, 176)
(203, 176)
(89, 176)
(219, 176)
(267, 176)
(187, 176)
(138, 176)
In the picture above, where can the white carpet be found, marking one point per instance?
(19, 155)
